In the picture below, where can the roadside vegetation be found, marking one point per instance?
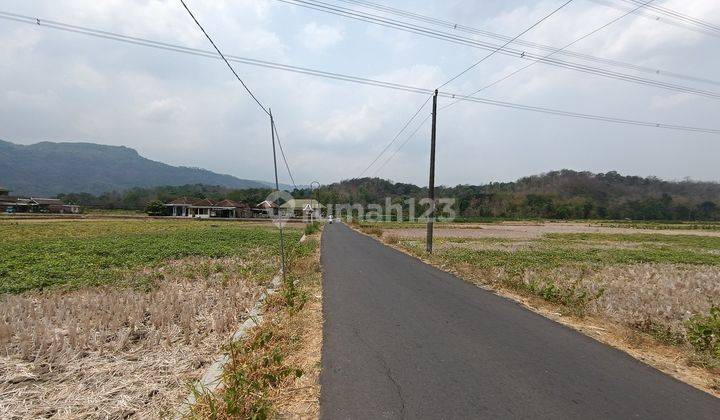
(117, 318)
(312, 228)
(274, 371)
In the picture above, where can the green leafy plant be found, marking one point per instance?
(156, 208)
(704, 332)
(312, 228)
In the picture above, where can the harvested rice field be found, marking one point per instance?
(113, 319)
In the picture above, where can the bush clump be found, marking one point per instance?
(703, 332)
(312, 228)
(156, 208)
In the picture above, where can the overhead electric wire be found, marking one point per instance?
(224, 59)
(594, 31)
(429, 32)
(274, 127)
(204, 53)
(282, 153)
(510, 41)
(475, 64)
(478, 62)
(377, 83)
(587, 57)
(679, 16)
(409, 137)
(667, 19)
(402, 129)
(673, 13)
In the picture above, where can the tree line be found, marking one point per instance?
(564, 194)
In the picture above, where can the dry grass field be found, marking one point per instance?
(661, 283)
(111, 319)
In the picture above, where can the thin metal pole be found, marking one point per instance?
(277, 188)
(431, 183)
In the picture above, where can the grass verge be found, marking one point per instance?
(274, 371)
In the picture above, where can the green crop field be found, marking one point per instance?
(37, 255)
(580, 250)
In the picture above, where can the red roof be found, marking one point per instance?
(183, 201)
(206, 202)
(231, 203)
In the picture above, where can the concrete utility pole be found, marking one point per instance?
(277, 188)
(431, 184)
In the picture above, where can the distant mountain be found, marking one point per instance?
(47, 169)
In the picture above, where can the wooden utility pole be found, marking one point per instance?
(431, 184)
(277, 188)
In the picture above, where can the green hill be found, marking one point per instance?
(47, 169)
(564, 194)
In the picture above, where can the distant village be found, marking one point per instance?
(15, 204)
(183, 207)
(229, 209)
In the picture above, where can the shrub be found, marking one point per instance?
(704, 332)
(156, 208)
(311, 228)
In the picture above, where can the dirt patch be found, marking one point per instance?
(113, 353)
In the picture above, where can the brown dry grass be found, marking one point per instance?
(300, 397)
(275, 370)
(112, 353)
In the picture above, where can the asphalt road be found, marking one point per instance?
(405, 340)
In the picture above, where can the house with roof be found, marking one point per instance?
(206, 208)
(306, 208)
(15, 204)
(265, 209)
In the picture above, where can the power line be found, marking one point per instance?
(528, 29)
(204, 53)
(428, 32)
(409, 137)
(534, 62)
(594, 31)
(282, 153)
(273, 132)
(586, 57)
(173, 47)
(670, 12)
(359, 80)
(595, 117)
(653, 15)
(224, 59)
(396, 136)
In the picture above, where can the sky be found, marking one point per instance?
(191, 111)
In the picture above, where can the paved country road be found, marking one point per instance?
(405, 340)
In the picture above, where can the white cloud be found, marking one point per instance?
(189, 110)
(317, 37)
(164, 110)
